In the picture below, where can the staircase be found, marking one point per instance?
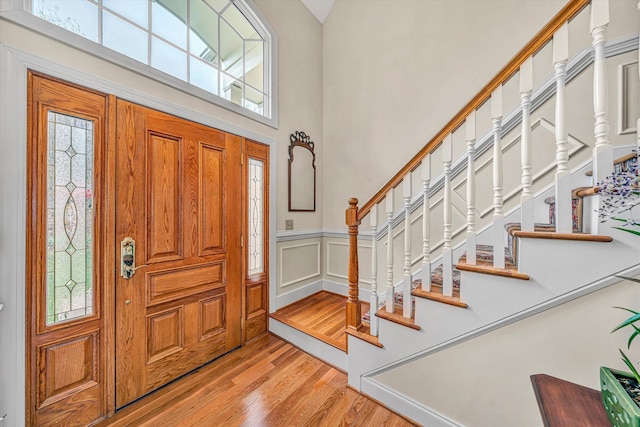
(493, 252)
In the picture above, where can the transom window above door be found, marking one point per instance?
(219, 46)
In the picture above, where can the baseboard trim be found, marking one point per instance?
(297, 294)
(404, 405)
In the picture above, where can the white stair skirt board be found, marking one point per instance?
(308, 344)
(404, 405)
(562, 273)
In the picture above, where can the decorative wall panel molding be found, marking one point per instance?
(312, 256)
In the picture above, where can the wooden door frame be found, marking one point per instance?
(14, 64)
(99, 323)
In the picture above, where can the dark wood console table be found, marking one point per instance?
(565, 404)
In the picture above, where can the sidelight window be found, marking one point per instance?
(69, 217)
(256, 217)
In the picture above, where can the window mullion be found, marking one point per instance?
(150, 31)
(188, 30)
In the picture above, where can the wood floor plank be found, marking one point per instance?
(290, 388)
(321, 315)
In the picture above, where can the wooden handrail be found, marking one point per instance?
(571, 9)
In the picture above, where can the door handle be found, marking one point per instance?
(127, 257)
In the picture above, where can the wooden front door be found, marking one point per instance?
(179, 200)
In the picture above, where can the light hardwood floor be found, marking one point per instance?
(268, 382)
(321, 315)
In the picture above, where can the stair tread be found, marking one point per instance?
(563, 236)
(397, 317)
(439, 297)
(617, 162)
(365, 336)
(484, 254)
(487, 268)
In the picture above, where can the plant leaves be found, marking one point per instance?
(629, 321)
(636, 232)
(629, 364)
(633, 335)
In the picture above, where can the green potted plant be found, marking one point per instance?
(621, 390)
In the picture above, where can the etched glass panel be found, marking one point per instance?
(69, 218)
(256, 217)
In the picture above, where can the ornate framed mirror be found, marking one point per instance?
(302, 173)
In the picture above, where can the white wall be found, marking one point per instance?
(484, 382)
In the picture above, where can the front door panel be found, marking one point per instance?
(178, 197)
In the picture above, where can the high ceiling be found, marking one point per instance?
(320, 8)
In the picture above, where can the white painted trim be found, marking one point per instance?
(15, 13)
(338, 275)
(546, 305)
(343, 289)
(316, 233)
(290, 297)
(405, 405)
(623, 98)
(311, 345)
(292, 235)
(309, 276)
(13, 188)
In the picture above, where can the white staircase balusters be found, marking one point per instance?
(638, 122)
(425, 273)
(563, 202)
(526, 200)
(603, 151)
(389, 294)
(470, 125)
(498, 213)
(447, 252)
(406, 285)
(373, 319)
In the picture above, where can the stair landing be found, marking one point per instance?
(321, 315)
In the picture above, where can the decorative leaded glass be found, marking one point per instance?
(69, 217)
(256, 217)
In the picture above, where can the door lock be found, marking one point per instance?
(127, 257)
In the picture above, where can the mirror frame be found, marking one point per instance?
(301, 139)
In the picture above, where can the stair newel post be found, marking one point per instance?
(354, 315)
(470, 125)
(425, 272)
(526, 152)
(373, 319)
(447, 253)
(498, 214)
(603, 151)
(564, 222)
(389, 294)
(406, 285)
